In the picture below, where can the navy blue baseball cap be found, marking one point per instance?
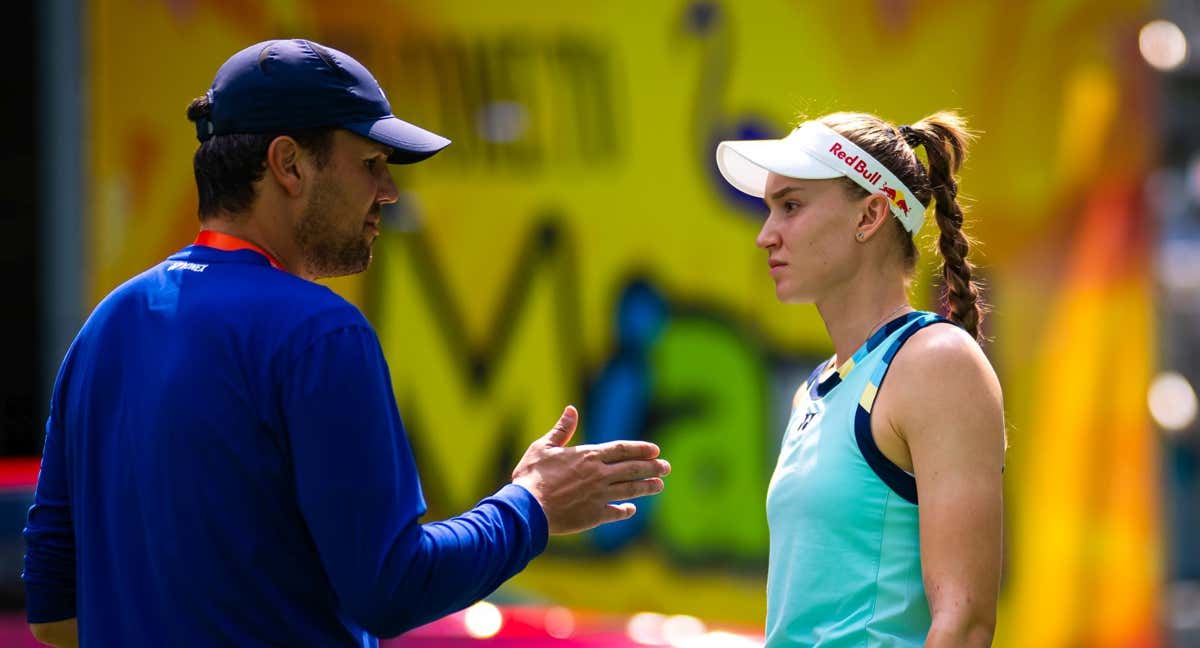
(288, 85)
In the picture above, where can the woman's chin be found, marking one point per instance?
(787, 297)
(789, 294)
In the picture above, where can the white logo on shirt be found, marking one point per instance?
(184, 265)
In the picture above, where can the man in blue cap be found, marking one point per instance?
(224, 462)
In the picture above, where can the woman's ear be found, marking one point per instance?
(874, 213)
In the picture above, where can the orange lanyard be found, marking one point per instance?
(221, 241)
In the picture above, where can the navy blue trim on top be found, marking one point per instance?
(901, 483)
(814, 377)
(821, 388)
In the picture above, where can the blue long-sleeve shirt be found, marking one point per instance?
(225, 465)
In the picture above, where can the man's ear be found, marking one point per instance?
(283, 165)
(872, 216)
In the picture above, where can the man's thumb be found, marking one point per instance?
(561, 433)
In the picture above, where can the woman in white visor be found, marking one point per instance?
(885, 506)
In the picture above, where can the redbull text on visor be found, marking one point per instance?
(865, 171)
(855, 163)
(861, 167)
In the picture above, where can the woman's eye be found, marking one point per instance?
(370, 163)
(790, 206)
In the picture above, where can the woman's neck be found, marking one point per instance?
(852, 316)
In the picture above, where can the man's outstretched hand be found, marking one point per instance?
(576, 485)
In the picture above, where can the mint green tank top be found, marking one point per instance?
(845, 562)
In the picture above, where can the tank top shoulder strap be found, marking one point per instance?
(820, 385)
(902, 483)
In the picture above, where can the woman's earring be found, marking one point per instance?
(859, 236)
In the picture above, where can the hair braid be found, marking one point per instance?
(945, 138)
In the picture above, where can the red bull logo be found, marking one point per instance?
(856, 163)
(897, 198)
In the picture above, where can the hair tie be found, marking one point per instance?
(907, 132)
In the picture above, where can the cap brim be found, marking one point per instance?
(745, 164)
(409, 143)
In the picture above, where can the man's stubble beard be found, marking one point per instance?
(326, 250)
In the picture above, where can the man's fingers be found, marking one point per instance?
(615, 451)
(633, 489)
(637, 469)
(618, 512)
(561, 433)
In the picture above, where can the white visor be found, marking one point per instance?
(815, 152)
